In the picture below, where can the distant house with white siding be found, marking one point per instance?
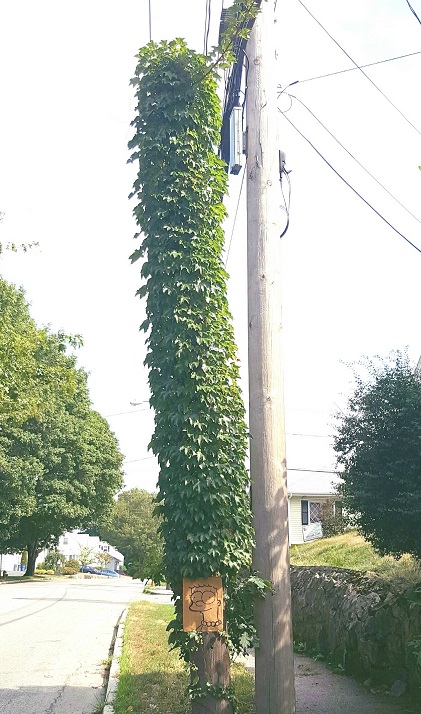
(307, 492)
(71, 544)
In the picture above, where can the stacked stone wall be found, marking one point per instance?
(359, 622)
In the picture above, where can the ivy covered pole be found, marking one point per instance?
(200, 437)
(275, 690)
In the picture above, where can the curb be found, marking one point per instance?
(115, 666)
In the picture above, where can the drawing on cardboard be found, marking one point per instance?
(203, 610)
(204, 599)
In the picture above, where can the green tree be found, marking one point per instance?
(86, 555)
(133, 529)
(200, 437)
(69, 454)
(379, 456)
(23, 395)
(54, 560)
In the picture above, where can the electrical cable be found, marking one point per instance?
(352, 69)
(292, 96)
(413, 11)
(314, 471)
(236, 213)
(150, 22)
(315, 436)
(145, 458)
(132, 411)
(351, 187)
(207, 26)
(285, 173)
(361, 70)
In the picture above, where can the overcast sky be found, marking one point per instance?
(351, 284)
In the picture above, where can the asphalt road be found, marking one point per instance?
(55, 638)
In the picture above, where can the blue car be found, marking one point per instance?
(89, 569)
(110, 573)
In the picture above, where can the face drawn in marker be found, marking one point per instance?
(204, 599)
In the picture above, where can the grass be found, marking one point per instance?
(350, 550)
(154, 680)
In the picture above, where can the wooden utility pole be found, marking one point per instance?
(275, 690)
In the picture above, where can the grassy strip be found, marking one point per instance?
(350, 550)
(152, 679)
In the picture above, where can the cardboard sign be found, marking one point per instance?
(203, 606)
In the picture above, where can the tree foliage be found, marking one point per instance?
(378, 446)
(200, 436)
(60, 465)
(133, 529)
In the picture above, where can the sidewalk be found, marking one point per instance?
(318, 689)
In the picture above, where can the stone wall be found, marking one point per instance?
(358, 621)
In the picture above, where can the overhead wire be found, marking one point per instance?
(360, 66)
(413, 11)
(286, 207)
(351, 187)
(236, 214)
(150, 21)
(207, 26)
(131, 411)
(292, 96)
(357, 66)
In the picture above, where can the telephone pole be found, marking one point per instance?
(275, 690)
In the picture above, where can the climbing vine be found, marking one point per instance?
(200, 436)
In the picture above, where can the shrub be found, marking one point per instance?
(68, 571)
(74, 564)
(332, 519)
(40, 566)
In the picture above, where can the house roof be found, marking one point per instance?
(311, 483)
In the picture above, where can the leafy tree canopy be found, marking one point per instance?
(378, 446)
(133, 529)
(60, 465)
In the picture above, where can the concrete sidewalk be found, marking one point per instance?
(318, 689)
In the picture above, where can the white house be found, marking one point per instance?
(307, 492)
(71, 544)
(10, 562)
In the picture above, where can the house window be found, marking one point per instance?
(65, 541)
(311, 512)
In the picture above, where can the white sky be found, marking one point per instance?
(351, 285)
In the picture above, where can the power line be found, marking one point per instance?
(133, 411)
(351, 187)
(360, 66)
(236, 214)
(318, 436)
(353, 157)
(413, 11)
(361, 70)
(207, 26)
(314, 471)
(150, 22)
(133, 461)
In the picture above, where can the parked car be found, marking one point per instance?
(89, 569)
(110, 573)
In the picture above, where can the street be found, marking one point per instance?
(55, 638)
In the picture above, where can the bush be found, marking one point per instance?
(40, 566)
(332, 519)
(69, 571)
(74, 564)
